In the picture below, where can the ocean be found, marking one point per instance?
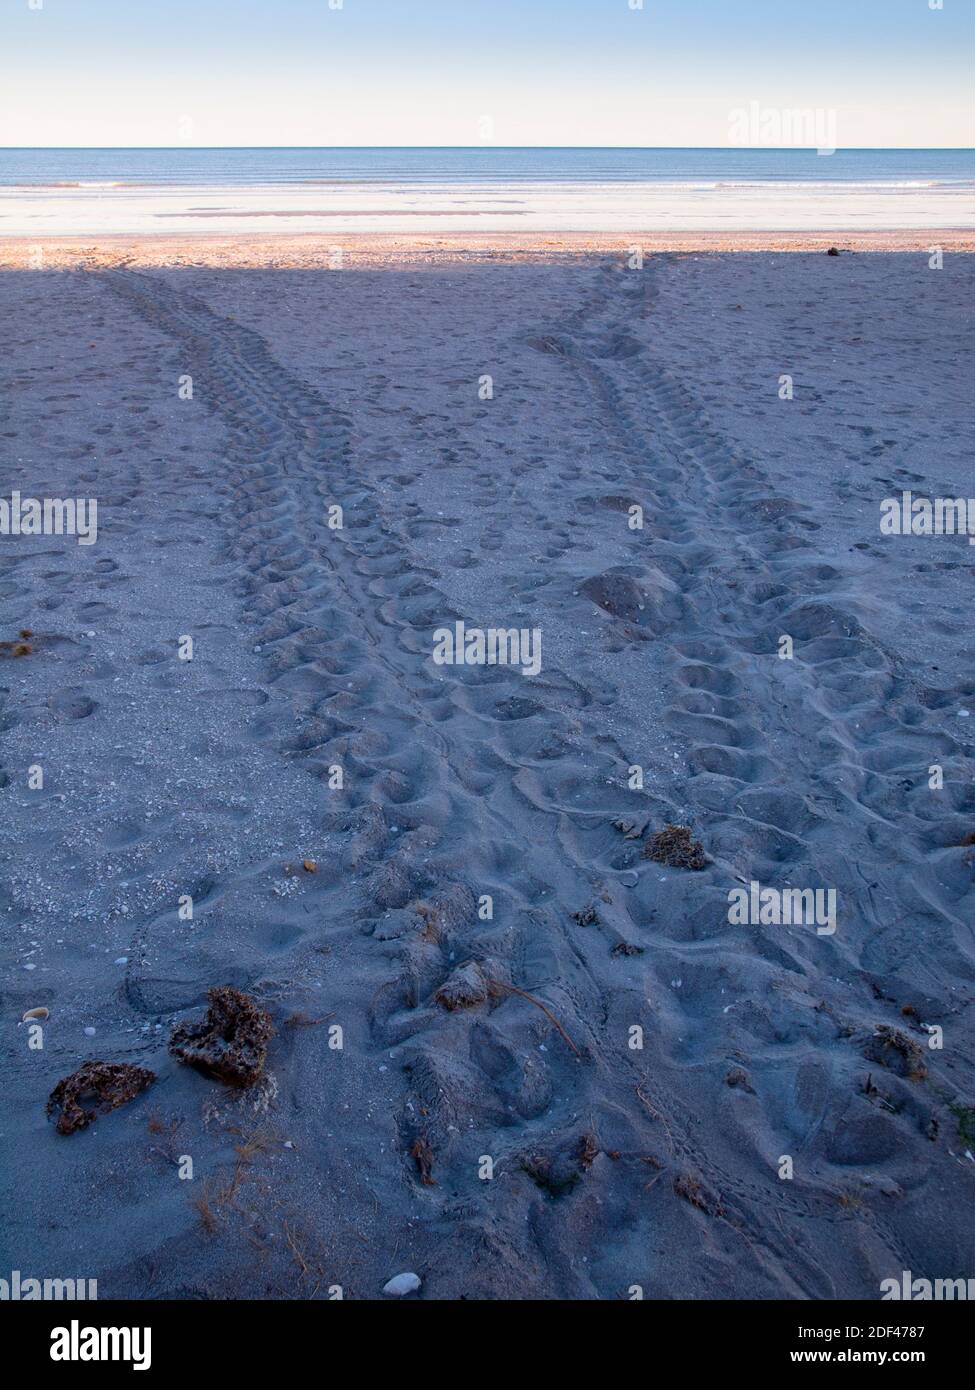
(190, 189)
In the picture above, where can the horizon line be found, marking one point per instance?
(761, 149)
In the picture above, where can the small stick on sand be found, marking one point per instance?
(650, 1106)
(513, 989)
(657, 1116)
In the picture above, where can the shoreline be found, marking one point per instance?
(308, 250)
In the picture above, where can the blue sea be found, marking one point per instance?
(273, 167)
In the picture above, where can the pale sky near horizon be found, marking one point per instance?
(426, 72)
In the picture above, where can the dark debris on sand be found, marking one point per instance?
(230, 1044)
(690, 1189)
(675, 847)
(557, 1172)
(464, 988)
(587, 916)
(422, 1155)
(107, 1084)
(898, 1053)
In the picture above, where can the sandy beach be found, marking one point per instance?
(311, 251)
(512, 1051)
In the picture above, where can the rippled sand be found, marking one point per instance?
(591, 1086)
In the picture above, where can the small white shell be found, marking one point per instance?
(402, 1284)
(36, 1013)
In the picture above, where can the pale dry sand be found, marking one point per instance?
(613, 1166)
(315, 251)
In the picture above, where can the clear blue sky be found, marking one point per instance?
(548, 72)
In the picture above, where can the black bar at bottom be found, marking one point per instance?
(262, 1337)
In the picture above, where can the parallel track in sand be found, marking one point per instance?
(344, 620)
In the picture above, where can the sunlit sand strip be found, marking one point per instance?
(307, 251)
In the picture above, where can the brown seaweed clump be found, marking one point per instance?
(422, 1155)
(692, 1190)
(898, 1053)
(230, 1044)
(587, 916)
(675, 847)
(587, 1151)
(107, 1084)
(557, 1172)
(464, 988)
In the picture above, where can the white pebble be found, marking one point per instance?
(122, 960)
(402, 1284)
(89, 1032)
(964, 713)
